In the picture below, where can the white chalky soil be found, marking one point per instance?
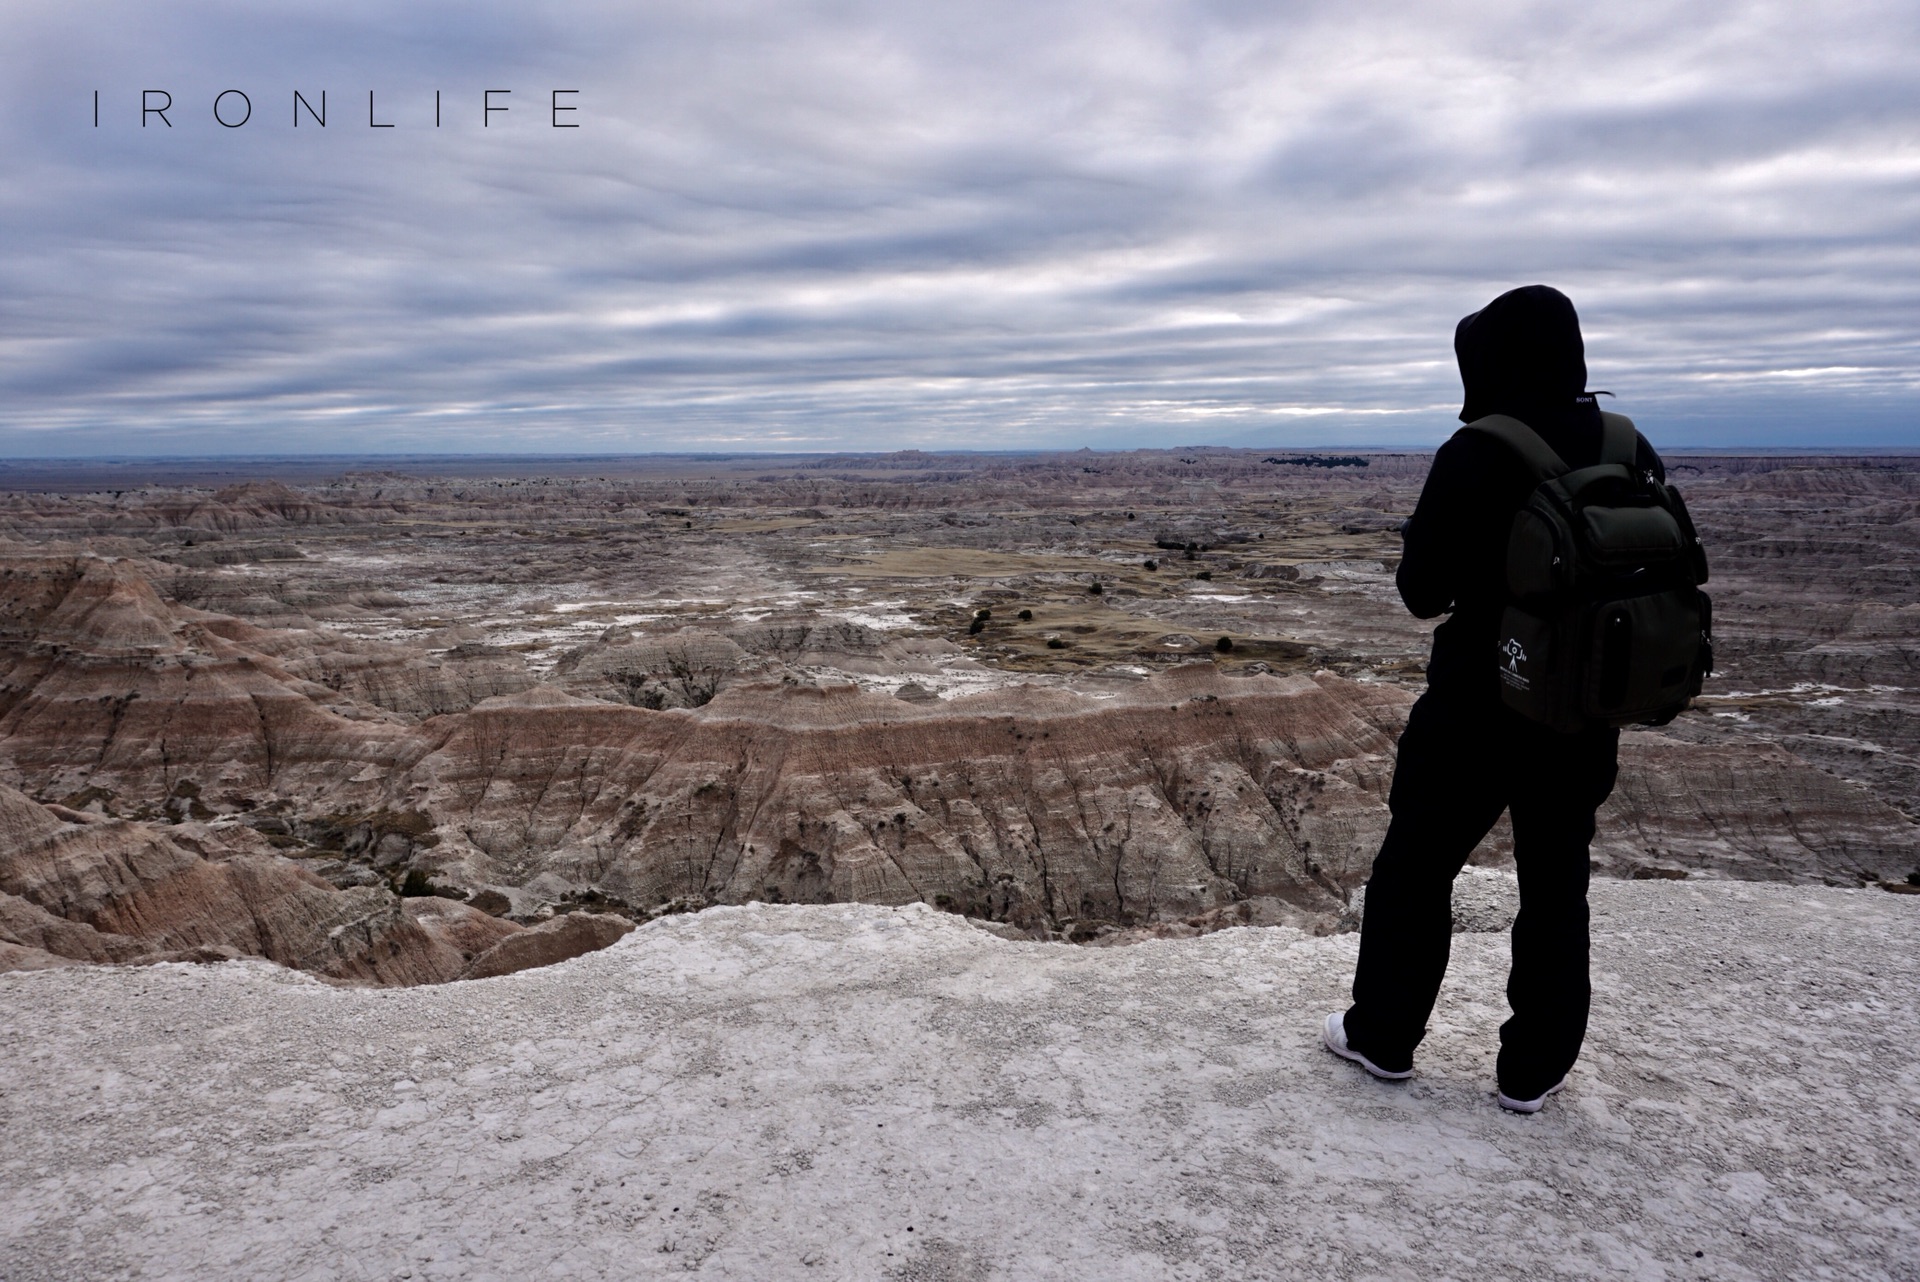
(861, 1092)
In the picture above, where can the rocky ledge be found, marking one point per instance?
(855, 1091)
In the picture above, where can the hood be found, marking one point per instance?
(1521, 354)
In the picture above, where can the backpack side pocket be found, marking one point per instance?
(1643, 657)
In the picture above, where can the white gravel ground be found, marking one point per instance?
(858, 1092)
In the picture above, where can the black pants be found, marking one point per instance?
(1462, 761)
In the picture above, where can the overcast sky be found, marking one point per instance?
(786, 225)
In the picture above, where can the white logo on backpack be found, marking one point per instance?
(1515, 654)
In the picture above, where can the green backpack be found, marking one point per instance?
(1605, 623)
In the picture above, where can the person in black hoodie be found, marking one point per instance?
(1465, 757)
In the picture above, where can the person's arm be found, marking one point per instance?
(1430, 557)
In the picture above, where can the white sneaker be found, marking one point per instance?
(1513, 1105)
(1334, 1034)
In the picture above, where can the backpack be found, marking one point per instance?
(1605, 623)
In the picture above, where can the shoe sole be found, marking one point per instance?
(1334, 1034)
(1513, 1105)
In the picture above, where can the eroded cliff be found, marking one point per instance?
(239, 803)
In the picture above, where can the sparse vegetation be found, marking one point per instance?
(1321, 460)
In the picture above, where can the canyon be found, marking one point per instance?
(452, 718)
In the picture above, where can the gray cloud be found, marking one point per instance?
(990, 226)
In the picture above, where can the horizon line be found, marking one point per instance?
(112, 460)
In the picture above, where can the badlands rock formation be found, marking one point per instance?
(75, 888)
(1042, 807)
(119, 687)
(880, 680)
(1181, 797)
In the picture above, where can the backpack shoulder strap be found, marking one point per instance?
(1619, 442)
(1525, 442)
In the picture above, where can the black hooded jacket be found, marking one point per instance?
(1520, 355)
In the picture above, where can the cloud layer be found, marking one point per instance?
(996, 225)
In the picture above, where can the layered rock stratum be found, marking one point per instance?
(108, 890)
(375, 726)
